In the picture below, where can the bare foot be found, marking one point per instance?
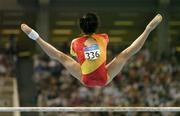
(154, 23)
(25, 28)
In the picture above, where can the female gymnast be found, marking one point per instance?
(90, 50)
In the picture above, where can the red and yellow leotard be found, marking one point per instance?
(94, 72)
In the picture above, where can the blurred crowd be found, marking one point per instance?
(8, 57)
(143, 81)
(6, 66)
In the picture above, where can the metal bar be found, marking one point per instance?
(89, 109)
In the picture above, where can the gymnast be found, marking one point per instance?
(90, 50)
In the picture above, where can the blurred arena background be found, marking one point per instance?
(29, 78)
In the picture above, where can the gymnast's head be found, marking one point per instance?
(89, 23)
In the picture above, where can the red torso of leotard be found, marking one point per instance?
(94, 73)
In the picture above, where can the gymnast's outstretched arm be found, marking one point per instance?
(115, 66)
(69, 63)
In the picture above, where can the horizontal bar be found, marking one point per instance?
(89, 109)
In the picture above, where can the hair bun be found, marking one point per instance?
(89, 23)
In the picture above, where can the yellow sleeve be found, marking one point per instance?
(72, 52)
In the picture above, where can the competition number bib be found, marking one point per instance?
(92, 52)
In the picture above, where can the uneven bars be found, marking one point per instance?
(89, 109)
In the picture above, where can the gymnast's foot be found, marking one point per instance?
(25, 28)
(154, 23)
(29, 32)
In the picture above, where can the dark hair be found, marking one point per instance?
(89, 23)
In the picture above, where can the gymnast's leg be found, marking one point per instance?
(69, 63)
(116, 65)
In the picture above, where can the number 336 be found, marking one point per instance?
(92, 55)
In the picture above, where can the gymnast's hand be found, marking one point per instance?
(154, 22)
(30, 32)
